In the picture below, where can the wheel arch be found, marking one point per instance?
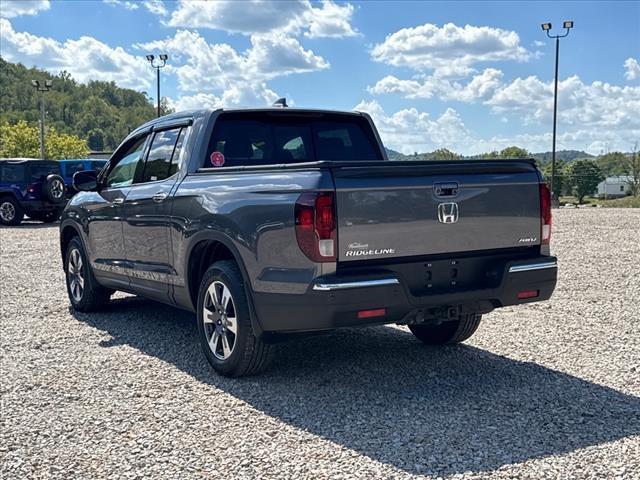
(205, 249)
(67, 232)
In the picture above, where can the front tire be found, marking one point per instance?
(84, 292)
(454, 331)
(10, 212)
(224, 323)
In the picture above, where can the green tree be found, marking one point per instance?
(23, 140)
(613, 163)
(632, 169)
(559, 184)
(583, 177)
(514, 152)
(443, 154)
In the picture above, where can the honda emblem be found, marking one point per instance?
(448, 212)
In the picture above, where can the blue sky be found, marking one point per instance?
(468, 76)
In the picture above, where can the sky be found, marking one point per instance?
(468, 76)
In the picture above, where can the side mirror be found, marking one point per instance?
(85, 181)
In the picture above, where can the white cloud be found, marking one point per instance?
(597, 104)
(429, 47)
(123, 3)
(256, 17)
(632, 69)
(238, 78)
(410, 130)
(15, 8)
(332, 20)
(85, 58)
(480, 87)
(156, 7)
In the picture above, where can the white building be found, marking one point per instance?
(617, 186)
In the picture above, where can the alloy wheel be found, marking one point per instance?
(7, 211)
(57, 189)
(220, 320)
(76, 275)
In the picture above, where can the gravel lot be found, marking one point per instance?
(549, 390)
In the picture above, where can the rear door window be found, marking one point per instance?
(158, 164)
(262, 138)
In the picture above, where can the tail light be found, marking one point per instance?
(31, 188)
(545, 214)
(315, 217)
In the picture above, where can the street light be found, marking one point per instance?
(158, 65)
(42, 87)
(567, 25)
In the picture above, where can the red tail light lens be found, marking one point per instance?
(316, 226)
(545, 214)
(31, 189)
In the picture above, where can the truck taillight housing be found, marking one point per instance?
(315, 217)
(545, 214)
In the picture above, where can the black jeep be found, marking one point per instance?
(30, 187)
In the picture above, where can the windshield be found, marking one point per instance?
(268, 138)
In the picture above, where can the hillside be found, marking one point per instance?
(101, 112)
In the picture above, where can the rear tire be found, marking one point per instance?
(224, 324)
(84, 292)
(454, 331)
(11, 212)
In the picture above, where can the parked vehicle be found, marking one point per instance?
(274, 221)
(70, 166)
(30, 187)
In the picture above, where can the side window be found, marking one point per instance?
(125, 170)
(158, 162)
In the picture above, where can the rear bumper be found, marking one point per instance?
(334, 301)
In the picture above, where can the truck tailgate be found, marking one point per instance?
(402, 209)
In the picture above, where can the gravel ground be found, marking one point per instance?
(549, 390)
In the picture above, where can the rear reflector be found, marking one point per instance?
(380, 312)
(527, 294)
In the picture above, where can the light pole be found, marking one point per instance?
(42, 87)
(158, 65)
(567, 25)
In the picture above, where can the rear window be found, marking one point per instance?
(271, 138)
(42, 170)
(72, 168)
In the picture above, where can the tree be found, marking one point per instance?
(583, 177)
(632, 169)
(23, 140)
(612, 163)
(444, 154)
(514, 152)
(559, 183)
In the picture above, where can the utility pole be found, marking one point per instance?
(161, 63)
(42, 87)
(547, 27)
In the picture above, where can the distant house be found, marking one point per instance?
(617, 186)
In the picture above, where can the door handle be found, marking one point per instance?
(159, 197)
(118, 201)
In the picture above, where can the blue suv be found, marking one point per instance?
(71, 166)
(30, 187)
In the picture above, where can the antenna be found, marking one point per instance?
(281, 102)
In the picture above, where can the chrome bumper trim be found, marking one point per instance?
(532, 266)
(324, 287)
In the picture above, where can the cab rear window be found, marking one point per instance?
(270, 138)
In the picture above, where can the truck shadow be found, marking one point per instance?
(381, 393)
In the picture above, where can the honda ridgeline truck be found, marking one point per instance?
(268, 222)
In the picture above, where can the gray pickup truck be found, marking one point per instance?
(269, 222)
